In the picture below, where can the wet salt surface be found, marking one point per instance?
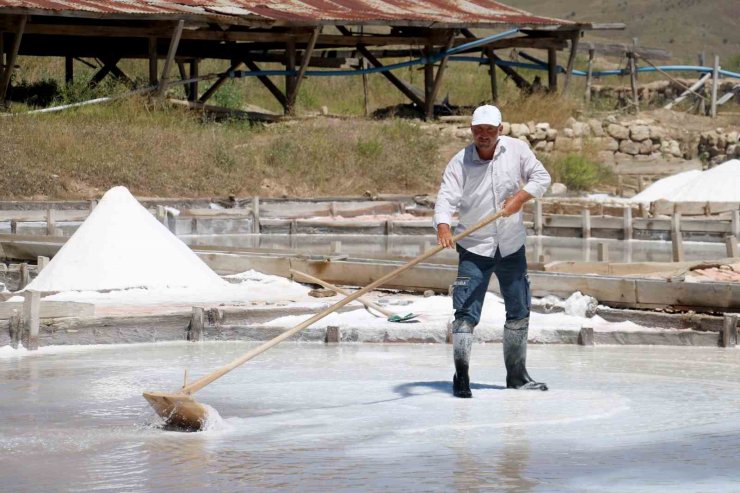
(363, 417)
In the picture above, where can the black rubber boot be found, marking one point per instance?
(462, 342)
(515, 356)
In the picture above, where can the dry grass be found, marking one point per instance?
(166, 152)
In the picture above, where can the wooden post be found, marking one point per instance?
(196, 324)
(2, 55)
(31, 306)
(438, 78)
(620, 186)
(492, 74)
(633, 81)
(171, 222)
(193, 93)
(628, 252)
(256, 215)
(41, 262)
(290, 56)
(586, 223)
(162, 214)
(69, 69)
(538, 217)
(25, 275)
(153, 61)
(336, 247)
(333, 334)
(13, 227)
(627, 224)
(552, 69)
(428, 84)
(731, 244)
(365, 93)
(640, 184)
(293, 227)
(715, 86)
(388, 227)
(572, 57)
(14, 329)
(602, 250)
(736, 223)
(51, 228)
(589, 74)
(586, 335)
(11, 59)
(676, 237)
(702, 102)
(174, 42)
(305, 59)
(729, 331)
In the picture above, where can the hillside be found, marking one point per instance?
(684, 27)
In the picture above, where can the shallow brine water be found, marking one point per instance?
(361, 417)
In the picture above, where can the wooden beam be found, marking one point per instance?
(438, 79)
(428, 84)
(267, 83)
(492, 74)
(290, 59)
(193, 74)
(152, 61)
(552, 69)
(174, 42)
(589, 75)
(11, 59)
(184, 76)
(520, 81)
(69, 73)
(305, 60)
(408, 90)
(571, 58)
(219, 82)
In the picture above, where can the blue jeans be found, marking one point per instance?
(473, 275)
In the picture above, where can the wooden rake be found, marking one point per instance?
(179, 409)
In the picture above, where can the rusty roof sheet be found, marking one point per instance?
(429, 13)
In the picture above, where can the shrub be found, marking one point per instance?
(576, 171)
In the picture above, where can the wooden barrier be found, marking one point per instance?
(31, 319)
(729, 331)
(731, 244)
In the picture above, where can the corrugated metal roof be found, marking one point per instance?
(307, 12)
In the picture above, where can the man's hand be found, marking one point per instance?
(514, 204)
(444, 236)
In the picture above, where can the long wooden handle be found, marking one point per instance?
(339, 290)
(203, 381)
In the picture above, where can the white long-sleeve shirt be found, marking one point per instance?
(478, 188)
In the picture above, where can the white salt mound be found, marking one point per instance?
(664, 188)
(719, 184)
(121, 245)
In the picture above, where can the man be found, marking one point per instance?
(480, 180)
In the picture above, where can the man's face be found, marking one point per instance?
(485, 136)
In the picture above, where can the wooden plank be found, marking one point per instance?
(152, 61)
(195, 332)
(691, 90)
(721, 296)
(255, 215)
(51, 309)
(305, 60)
(41, 215)
(677, 238)
(274, 90)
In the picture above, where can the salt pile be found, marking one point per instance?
(719, 184)
(120, 246)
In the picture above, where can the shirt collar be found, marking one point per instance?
(499, 149)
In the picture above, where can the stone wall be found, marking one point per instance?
(615, 140)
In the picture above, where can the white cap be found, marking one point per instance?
(486, 115)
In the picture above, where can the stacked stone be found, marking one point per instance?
(538, 135)
(719, 146)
